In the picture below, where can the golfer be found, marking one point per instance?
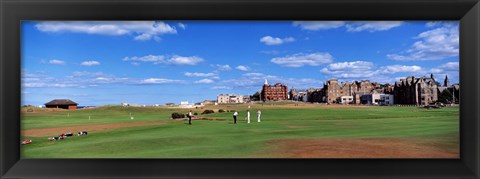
(235, 114)
(190, 117)
(259, 113)
(248, 116)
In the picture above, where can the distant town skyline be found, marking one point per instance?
(156, 62)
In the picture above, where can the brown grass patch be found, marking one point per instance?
(75, 129)
(360, 148)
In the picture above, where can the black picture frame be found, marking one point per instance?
(14, 11)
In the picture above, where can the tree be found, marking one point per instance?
(255, 97)
(383, 85)
(445, 96)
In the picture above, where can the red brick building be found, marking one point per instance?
(276, 92)
(62, 104)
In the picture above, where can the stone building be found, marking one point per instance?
(275, 92)
(315, 95)
(230, 98)
(453, 89)
(456, 93)
(293, 94)
(246, 98)
(365, 86)
(332, 90)
(388, 89)
(416, 91)
(209, 102)
(301, 95)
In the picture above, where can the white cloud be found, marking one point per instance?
(347, 70)
(161, 59)
(182, 60)
(351, 26)
(158, 81)
(432, 23)
(270, 52)
(182, 25)
(357, 65)
(90, 63)
(447, 67)
(253, 74)
(222, 67)
(221, 88)
(300, 59)
(441, 23)
(254, 81)
(318, 25)
(56, 62)
(363, 70)
(269, 40)
(242, 68)
(84, 79)
(401, 69)
(205, 81)
(436, 44)
(372, 26)
(451, 69)
(101, 78)
(143, 37)
(450, 66)
(89, 74)
(142, 30)
(156, 59)
(196, 74)
(43, 85)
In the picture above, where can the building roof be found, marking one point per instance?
(441, 88)
(361, 93)
(61, 102)
(378, 91)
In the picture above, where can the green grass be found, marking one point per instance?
(220, 138)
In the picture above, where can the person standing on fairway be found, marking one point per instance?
(235, 117)
(258, 114)
(248, 116)
(190, 117)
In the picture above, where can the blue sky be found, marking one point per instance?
(155, 62)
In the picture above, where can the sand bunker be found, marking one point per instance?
(360, 148)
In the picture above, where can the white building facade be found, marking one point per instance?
(185, 104)
(378, 99)
(346, 99)
(230, 98)
(387, 99)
